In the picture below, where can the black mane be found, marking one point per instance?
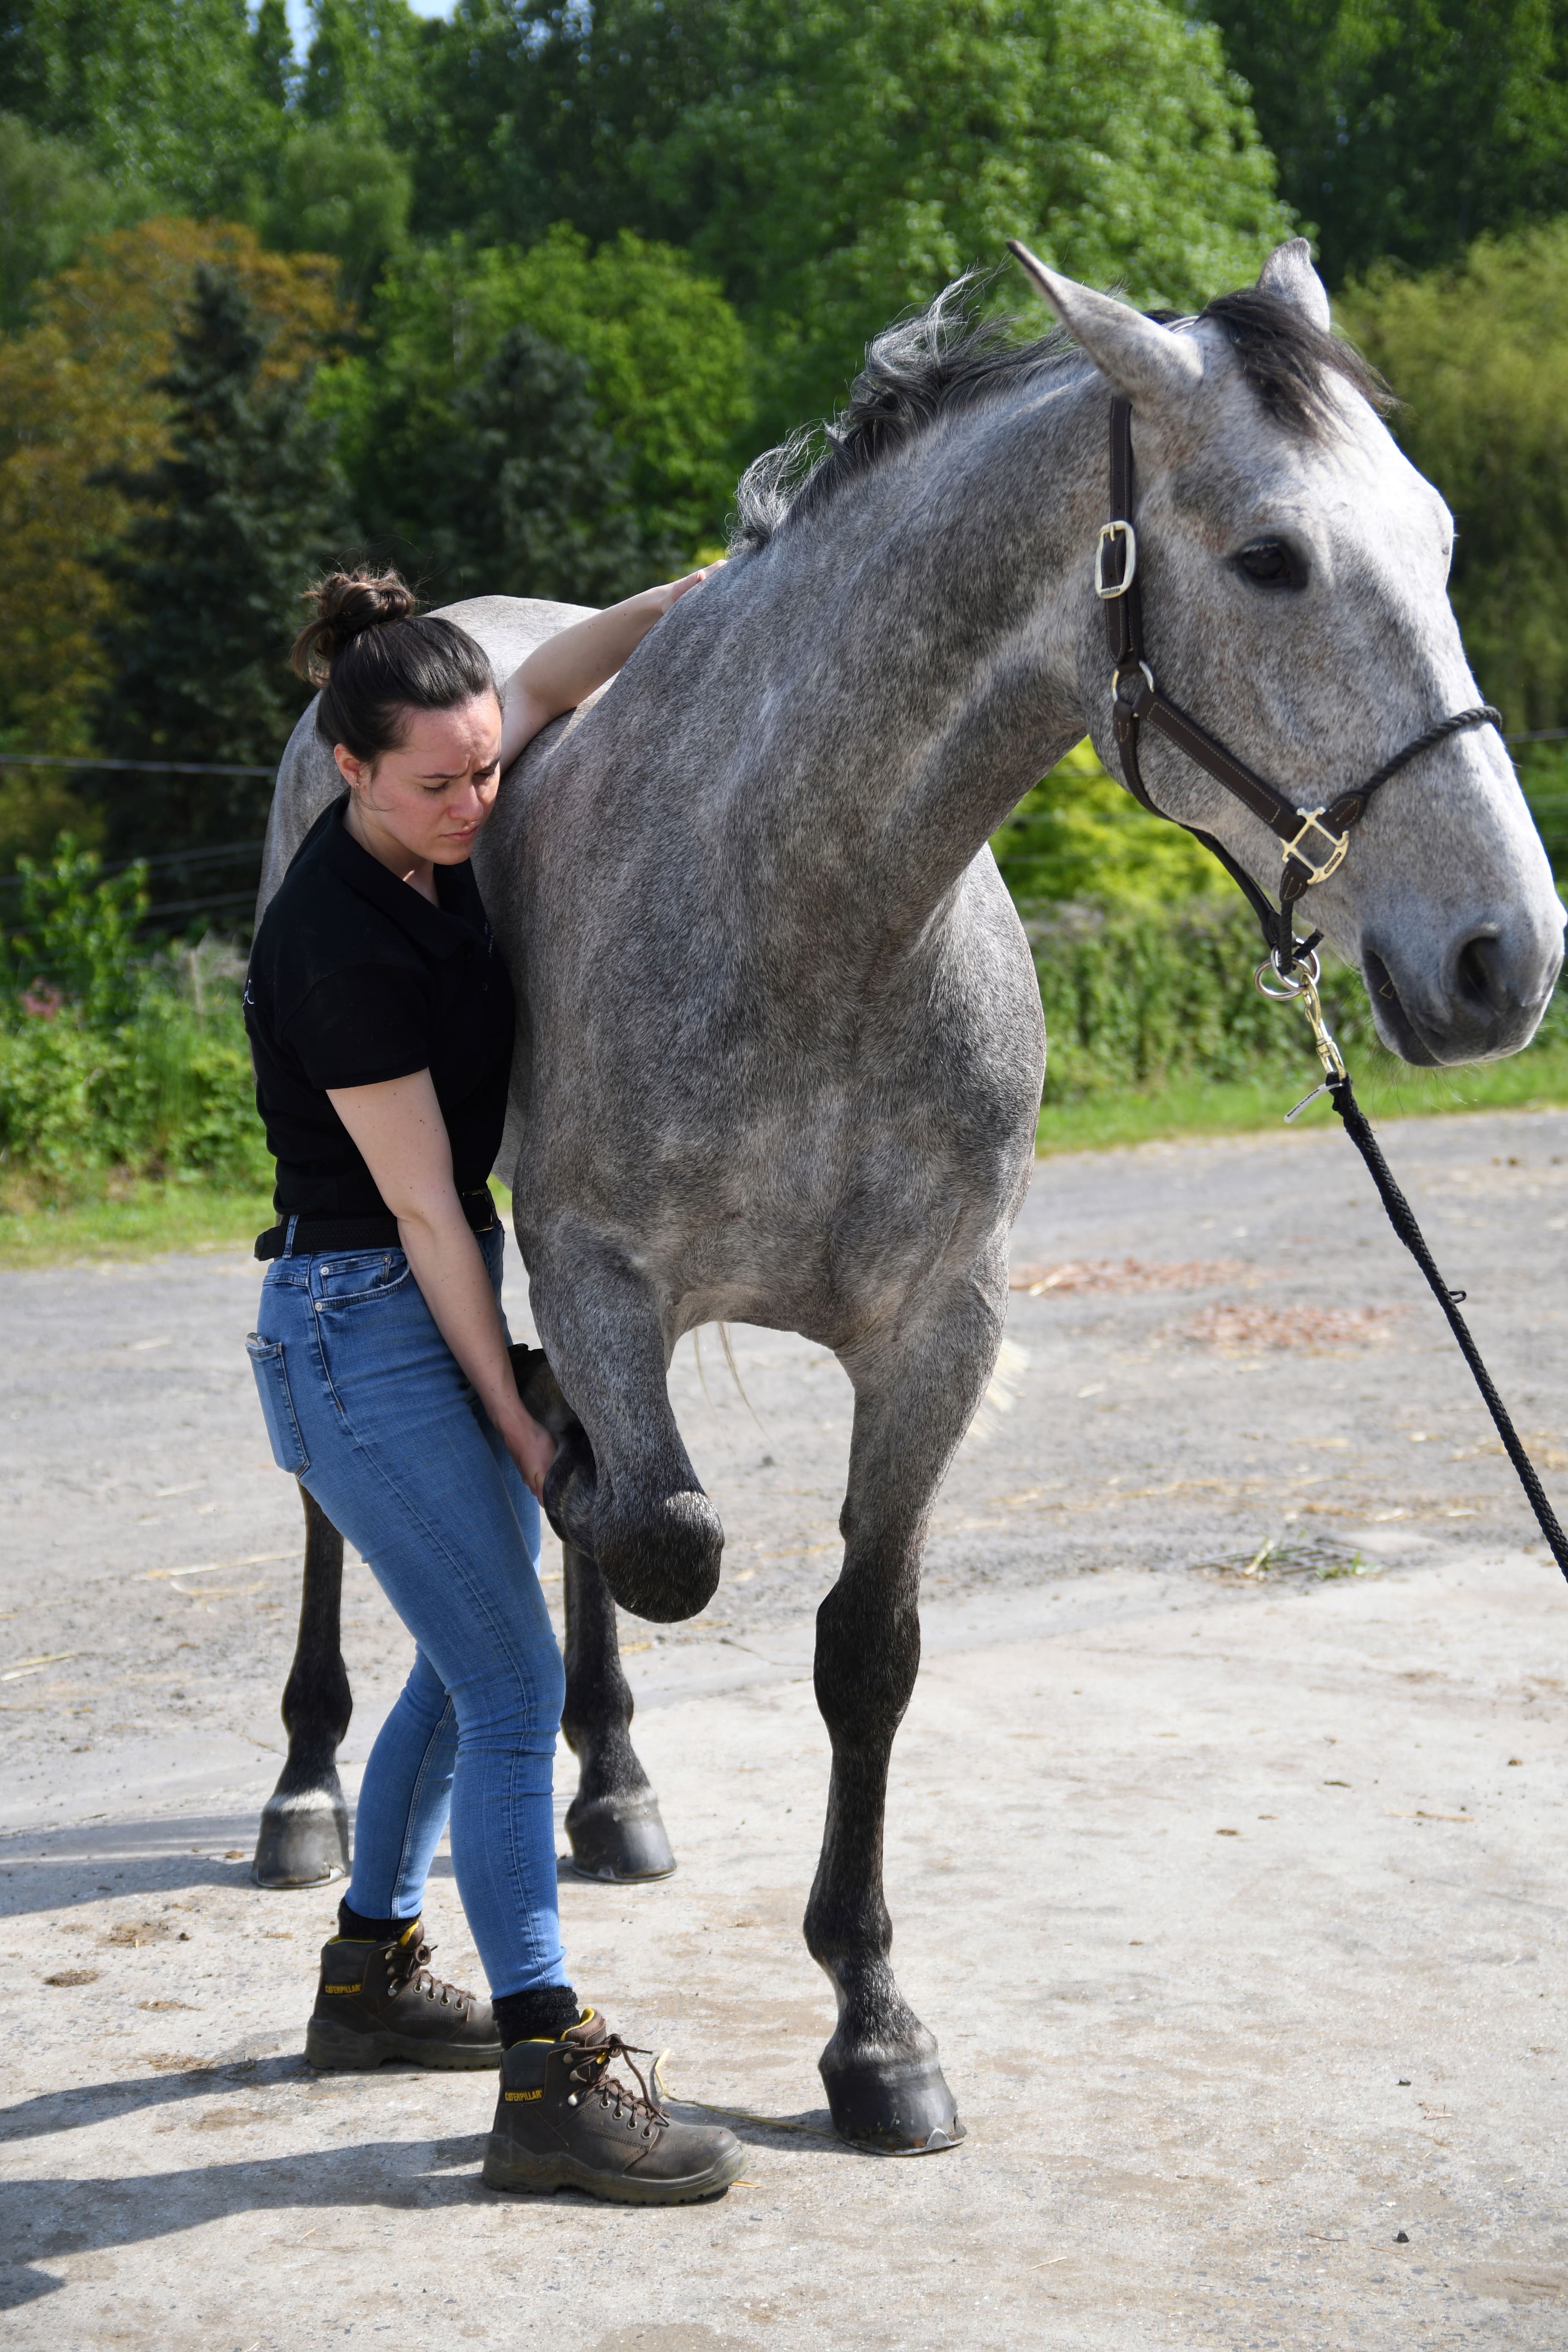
(946, 357)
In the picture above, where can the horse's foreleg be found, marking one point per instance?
(304, 1836)
(884, 2084)
(622, 1488)
(613, 1821)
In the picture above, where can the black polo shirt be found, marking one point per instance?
(354, 978)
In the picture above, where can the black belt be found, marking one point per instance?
(313, 1234)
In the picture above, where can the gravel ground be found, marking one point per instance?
(1205, 2081)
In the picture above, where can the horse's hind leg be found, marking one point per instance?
(884, 2084)
(304, 1837)
(614, 1819)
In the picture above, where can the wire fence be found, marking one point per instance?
(216, 883)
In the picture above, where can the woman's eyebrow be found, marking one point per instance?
(450, 775)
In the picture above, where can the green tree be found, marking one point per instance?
(51, 201)
(830, 161)
(168, 98)
(668, 365)
(248, 503)
(1479, 356)
(510, 486)
(1407, 128)
(337, 190)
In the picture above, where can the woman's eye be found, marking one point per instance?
(1270, 564)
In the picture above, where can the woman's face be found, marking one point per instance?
(430, 795)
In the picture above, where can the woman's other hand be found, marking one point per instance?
(671, 592)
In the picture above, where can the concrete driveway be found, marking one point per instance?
(1224, 1850)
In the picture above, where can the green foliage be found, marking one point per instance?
(232, 523)
(1543, 775)
(1407, 128)
(515, 491)
(336, 190)
(1479, 355)
(666, 359)
(51, 201)
(70, 932)
(1078, 835)
(833, 162)
(164, 96)
(104, 1064)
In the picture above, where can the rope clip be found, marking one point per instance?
(1301, 986)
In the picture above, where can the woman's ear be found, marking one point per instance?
(353, 772)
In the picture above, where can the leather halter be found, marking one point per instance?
(1315, 840)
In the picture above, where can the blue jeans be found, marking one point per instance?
(366, 1405)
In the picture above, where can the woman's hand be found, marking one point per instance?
(532, 1447)
(660, 599)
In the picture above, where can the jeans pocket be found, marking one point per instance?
(277, 1404)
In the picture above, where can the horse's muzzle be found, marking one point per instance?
(1482, 1001)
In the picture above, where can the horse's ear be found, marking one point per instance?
(1142, 359)
(1289, 276)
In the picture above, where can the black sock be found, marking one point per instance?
(360, 1930)
(541, 2015)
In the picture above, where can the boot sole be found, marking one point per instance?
(508, 2166)
(338, 2050)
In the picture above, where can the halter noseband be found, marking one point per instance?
(1315, 840)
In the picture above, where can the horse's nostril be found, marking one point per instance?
(1475, 975)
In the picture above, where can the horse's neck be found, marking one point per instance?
(915, 671)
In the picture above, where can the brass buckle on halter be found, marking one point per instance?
(1111, 530)
(1338, 843)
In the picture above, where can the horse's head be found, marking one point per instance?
(1294, 575)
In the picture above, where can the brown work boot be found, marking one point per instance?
(564, 2121)
(377, 2001)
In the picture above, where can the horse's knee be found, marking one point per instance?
(868, 1656)
(662, 1559)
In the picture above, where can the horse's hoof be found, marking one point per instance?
(893, 2106)
(619, 1838)
(303, 1841)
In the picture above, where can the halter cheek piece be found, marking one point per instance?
(1315, 840)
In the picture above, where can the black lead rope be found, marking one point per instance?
(1401, 1217)
(1315, 842)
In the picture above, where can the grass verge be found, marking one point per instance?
(1386, 1089)
(140, 1219)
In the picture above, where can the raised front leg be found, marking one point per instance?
(913, 1405)
(614, 1819)
(622, 1488)
(304, 1837)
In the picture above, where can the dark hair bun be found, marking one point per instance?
(347, 603)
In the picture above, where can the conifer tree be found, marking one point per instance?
(232, 522)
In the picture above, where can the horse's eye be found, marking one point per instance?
(1270, 563)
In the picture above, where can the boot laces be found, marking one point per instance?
(410, 1974)
(591, 2075)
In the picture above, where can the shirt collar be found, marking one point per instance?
(433, 930)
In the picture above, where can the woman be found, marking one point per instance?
(381, 1023)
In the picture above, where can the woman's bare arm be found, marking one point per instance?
(564, 670)
(402, 1136)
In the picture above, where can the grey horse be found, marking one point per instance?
(781, 1050)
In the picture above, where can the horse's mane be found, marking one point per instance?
(949, 355)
